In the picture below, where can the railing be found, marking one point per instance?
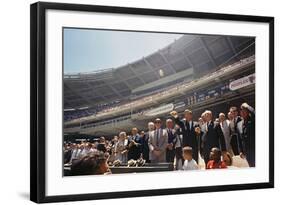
(181, 87)
(90, 125)
(174, 90)
(144, 113)
(79, 75)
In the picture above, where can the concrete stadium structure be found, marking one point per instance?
(190, 67)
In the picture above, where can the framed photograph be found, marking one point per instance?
(129, 102)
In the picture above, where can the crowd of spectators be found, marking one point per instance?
(206, 143)
(79, 113)
(161, 94)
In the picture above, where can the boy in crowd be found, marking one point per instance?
(215, 162)
(189, 162)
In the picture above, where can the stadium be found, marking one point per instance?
(198, 72)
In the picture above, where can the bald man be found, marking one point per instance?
(170, 151)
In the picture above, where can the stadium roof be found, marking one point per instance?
(188, 57)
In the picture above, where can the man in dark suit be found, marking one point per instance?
(187, 126)
(170, 151)
(150, 127)
(135, 145)
(236, 141)
(67, 153)
(145, 148)
(248, 133)
(212, 137)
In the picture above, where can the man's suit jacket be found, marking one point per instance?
(135, 150)
(189, 135)
(67, 156)
(236, 141)
(248, 139)
(213, 137)
(158, 141)
(171, 135)
(145, 148)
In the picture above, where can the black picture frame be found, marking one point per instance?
(38, 100)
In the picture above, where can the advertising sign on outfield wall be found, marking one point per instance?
(242, 82)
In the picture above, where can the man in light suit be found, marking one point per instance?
(157, 142)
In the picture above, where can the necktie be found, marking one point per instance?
(187, 126)
(157, 138)
(170, 134)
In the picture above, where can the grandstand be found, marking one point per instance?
(194, 71)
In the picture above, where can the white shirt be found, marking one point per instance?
(240, 126)
(74, 154)
(190, 165)
(225, 127)
(178, 141)
(207, 125)
(232, 124)
(203, 127)
(84, 152)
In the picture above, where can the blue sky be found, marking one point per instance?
(91, 50)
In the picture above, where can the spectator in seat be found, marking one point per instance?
(228, 159)
(101, 145)
(215, 160)
(67, 153)
(96, 163)
(189, 162)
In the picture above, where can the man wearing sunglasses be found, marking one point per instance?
(157, 142)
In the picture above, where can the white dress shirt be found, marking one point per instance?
(225, 127)
(178, 141)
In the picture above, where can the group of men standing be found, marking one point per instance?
(234, 136)
(181, 141)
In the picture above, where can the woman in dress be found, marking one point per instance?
(121, 148)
